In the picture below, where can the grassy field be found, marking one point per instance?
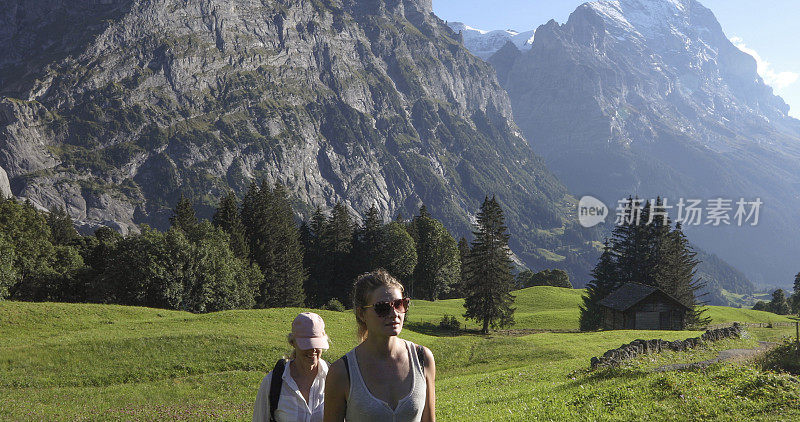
(106, 362)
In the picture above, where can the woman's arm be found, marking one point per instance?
(337, 387)
(429, 413)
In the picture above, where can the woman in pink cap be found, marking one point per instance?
(385, 378)
(296, 392)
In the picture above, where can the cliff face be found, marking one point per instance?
(5, 187)
(356, 101)
(650, 97)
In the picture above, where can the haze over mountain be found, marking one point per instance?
(115, 108)
(650, 97)
(484, 43)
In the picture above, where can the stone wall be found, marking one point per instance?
(635, 348)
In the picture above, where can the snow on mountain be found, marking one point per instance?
(484, 43)
(651, 19)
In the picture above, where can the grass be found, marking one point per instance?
(538, 308)
(724, 314)
(89, 362)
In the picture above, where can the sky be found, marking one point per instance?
(769, 31)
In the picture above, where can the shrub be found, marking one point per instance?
(450, 323)
(783, 358)
(333, 305)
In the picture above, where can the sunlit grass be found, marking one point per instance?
(74, 362)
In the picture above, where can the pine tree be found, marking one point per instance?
(62, 230)
(338, 245)
(675, 274)
(316, 260)
(229, 218)
(634, 244)
(605, 279)
(463, 250)
(284, 274)
(367, 241)
(274, 244)
(797, 283)
(8, 274)
(183, 216)
(489, 281)
(252, 215)
(778, 304)
(656, 233)
(794, 302)
(650, 253)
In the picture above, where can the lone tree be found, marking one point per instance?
(778, 304)
(487, 271)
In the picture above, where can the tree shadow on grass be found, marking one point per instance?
(431, 329)
(590, 377)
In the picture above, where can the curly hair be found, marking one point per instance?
(364, 285)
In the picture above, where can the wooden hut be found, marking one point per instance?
(637, 306)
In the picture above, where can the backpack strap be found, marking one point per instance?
(347, 370)
(346, 367)
(275, 387)
(421, 356)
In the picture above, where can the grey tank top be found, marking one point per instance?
(362, 406)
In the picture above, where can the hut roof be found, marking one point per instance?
(630, 294)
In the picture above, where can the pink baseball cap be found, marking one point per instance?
(308, 330)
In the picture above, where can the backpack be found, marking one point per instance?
(275, 387)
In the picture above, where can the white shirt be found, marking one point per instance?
(292, 407)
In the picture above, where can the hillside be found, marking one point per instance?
(112, 112)
(67, 361)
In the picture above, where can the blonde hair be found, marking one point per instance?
(364, 285)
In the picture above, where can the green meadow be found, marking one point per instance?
(106, 362)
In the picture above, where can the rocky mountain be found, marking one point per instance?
(112, 109)
(650, 97)
(485, 43)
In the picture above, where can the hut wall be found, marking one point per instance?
(657, 312)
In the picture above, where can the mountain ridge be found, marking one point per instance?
(353, 101)
(668, 107)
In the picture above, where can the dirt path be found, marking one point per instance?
(724, 355)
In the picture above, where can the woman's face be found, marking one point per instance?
(306, 357)
(389, 325)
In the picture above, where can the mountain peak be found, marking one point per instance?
(651, 18)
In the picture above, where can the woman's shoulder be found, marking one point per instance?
(417, 347)
(337, 372)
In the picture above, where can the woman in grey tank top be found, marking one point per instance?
(385, 378)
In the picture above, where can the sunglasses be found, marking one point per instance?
(383, 309)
